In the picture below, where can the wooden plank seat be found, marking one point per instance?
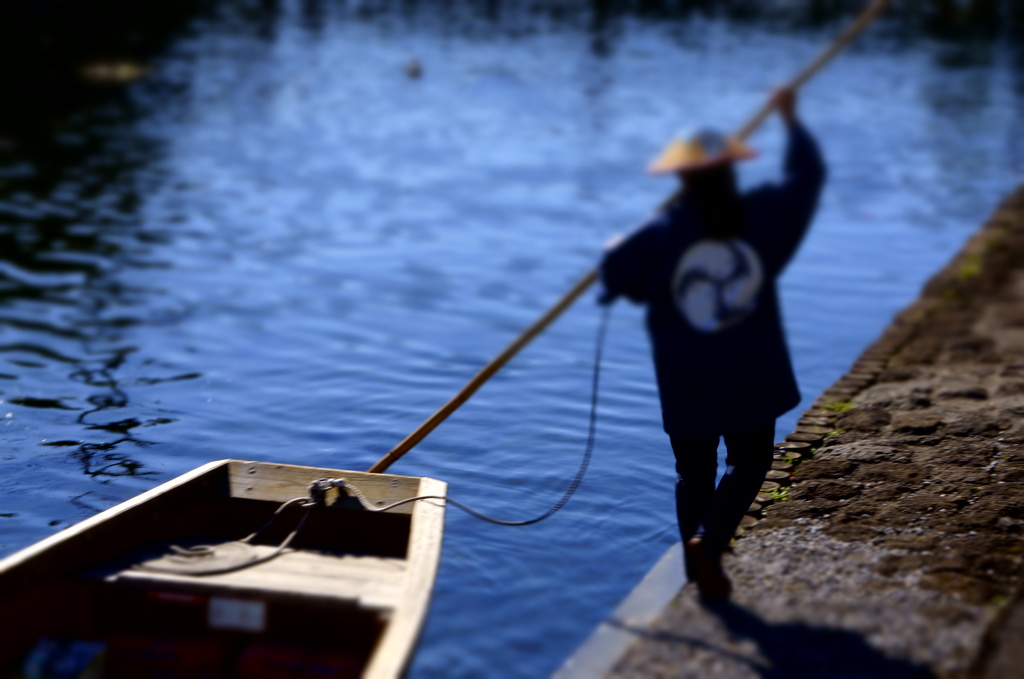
(369, 582)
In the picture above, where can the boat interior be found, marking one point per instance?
(319, 608)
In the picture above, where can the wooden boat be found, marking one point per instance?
(347, 597)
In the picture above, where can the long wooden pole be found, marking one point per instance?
(581, 286)
(844, 39)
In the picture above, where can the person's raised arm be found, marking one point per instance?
(792, 201)
(804, 167)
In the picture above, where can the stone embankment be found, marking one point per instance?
(888, 541)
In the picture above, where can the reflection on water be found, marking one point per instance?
(281, 245)
(68, 229)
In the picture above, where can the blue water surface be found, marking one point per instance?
(294, 251)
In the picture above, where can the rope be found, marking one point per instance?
(177, 561)
(323, 484)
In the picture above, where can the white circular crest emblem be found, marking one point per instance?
(716, 283)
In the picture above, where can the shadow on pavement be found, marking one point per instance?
(787, 650)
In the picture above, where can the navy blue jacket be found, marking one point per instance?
(712, 307)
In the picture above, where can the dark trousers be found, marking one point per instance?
(715, 513)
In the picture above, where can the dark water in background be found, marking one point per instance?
(280, 247)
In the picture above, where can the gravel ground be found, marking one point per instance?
(899, 543)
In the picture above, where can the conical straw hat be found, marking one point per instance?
(695, 150)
